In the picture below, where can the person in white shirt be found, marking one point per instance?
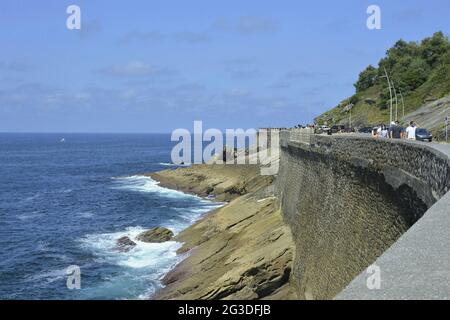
(379, 131)
(411, 131)
(384, 132)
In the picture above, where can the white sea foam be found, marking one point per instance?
(42, 246)
(85, 214)
(191, 215)
(30, 198)
(32, 215)
(188, 215)
(169, 164)
(147, 262)
(146, 184)
(48, 276)
(140, 256)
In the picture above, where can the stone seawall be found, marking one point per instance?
(348, 198)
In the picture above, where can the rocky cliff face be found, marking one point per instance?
(432, 116)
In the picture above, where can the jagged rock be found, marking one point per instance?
(238, 189)
(125, 244)
(157, 234)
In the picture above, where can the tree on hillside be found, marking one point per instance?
(418, 71)
(414, 75)
(409, 65)
(366, 79)
(434, 48)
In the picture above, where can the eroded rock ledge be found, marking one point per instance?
(240, 251)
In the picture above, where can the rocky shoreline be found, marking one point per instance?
(242, 250)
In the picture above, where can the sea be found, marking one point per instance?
(65, 199)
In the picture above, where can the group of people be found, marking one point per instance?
(301, 126)
(395, 131)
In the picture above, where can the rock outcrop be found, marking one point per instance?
(155, 235)
(223, 182)
(125, 244)
(240, 251)
(431, 116)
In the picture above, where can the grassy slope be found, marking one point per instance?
(363, 113)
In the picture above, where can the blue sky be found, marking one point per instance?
(153, 66)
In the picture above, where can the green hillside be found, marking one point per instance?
(420, 71)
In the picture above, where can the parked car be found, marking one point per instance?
(323, 129)
(423, 135)
(365, 130)
(337, 128)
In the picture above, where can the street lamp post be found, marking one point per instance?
(350, 126)
(396, 101)
(403, 104)
(446, 129)
(390, 94)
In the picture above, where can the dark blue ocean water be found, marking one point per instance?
(66, 203)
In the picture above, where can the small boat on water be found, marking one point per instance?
(62, 140)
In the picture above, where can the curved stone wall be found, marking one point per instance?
(348, 198)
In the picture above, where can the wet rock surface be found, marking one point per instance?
(156, 235)
(125, 244)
